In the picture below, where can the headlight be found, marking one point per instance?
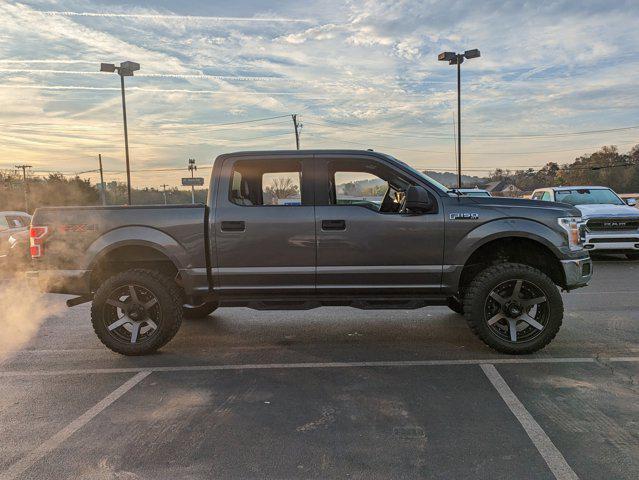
(573, 227)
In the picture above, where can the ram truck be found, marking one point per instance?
(305, 229)
(610, 224)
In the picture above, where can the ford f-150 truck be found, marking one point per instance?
(611, 225)
(304, 229)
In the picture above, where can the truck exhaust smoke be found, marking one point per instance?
(23, 309)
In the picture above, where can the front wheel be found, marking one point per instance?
(136, 312)
(513, 308)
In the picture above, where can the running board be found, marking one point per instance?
(374, 303)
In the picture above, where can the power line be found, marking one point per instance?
(248, 121)
(352, 126)
(467, 153)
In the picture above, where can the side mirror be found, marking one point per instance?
(632, 202)
(418, 200)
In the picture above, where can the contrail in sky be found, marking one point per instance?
(144, 89)
(53, 60)
(156, 16)
(151, 75)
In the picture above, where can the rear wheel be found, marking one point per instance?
(136, 312)
(199, 311)
(513, 308)
(632, 256)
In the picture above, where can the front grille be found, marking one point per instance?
(614, 240)
(612, 224)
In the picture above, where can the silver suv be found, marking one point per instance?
(612, 225)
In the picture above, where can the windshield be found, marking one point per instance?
(588, 196)
(422, 175)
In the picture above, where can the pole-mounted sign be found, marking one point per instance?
(192, 181)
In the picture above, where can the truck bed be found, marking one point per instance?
(78, 236)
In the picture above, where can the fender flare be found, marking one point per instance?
(507, 228)
(136, 236)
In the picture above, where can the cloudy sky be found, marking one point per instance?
(360, 74)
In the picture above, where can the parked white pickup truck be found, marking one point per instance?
(612, 225)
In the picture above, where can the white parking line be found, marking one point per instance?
(266, 366)
(56, 440)
(621, 359)
(551, 455)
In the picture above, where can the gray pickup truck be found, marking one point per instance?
(305, 229)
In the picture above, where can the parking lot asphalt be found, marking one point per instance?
(331, 393)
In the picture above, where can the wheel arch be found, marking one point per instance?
(134, 247)
(524, 249)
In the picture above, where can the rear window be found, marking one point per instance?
(259, 183)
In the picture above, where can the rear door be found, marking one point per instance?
(265, 224)
(364, 240)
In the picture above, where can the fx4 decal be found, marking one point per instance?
(78, 228)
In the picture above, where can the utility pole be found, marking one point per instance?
(192, 169)
(164, 185)
(297, 131)
(102, 192)
(25, 185)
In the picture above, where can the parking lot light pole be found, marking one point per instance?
(457, 59)
(125, 69)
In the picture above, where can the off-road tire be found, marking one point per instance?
(199, 311)
(632, 256)
(455, 305)
(169, 297)
(482, 285)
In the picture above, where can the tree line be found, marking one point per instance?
(607, 167)
(58, 190)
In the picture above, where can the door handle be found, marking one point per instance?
(333, 225)
(233, 226)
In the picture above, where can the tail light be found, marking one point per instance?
(36, 241)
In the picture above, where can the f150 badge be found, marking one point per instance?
(464, 216)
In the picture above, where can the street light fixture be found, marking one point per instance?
(125, 69)
(457, 59)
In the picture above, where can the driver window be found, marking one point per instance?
(366, 184)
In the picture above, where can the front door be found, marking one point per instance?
(265, 225)
(366, 239)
